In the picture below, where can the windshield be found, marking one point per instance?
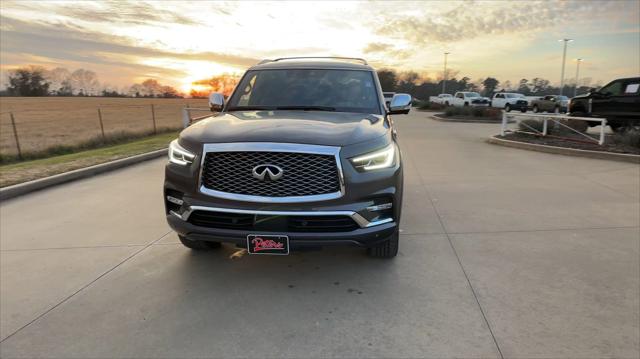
(473, 94)
(307, 89)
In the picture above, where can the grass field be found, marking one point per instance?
(46, 122)
(29, 170)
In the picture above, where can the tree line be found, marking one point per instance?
(421, 86)
(38, 81)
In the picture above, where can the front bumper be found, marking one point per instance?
(519, 106)
(480, 104)
(363, 236)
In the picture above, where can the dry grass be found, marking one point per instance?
(47, 122)
(29, 170)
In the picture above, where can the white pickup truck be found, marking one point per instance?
(442, 99)
(461, 99)
(509, 101)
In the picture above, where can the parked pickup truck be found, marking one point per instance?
(550, 103)
(461, 99)
(442, 99)
(618, 102)
(509, 101)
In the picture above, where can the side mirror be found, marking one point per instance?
(400, 104)
(216, 101)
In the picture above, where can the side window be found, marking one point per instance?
(246, 94)
(499, 95)
(612, 89)
(631, 88)
(460, 95)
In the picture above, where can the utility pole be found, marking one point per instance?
(444, 73)
(575, 89)
(564, 57)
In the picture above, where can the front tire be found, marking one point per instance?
(386, 249)
(199, 245)
(536, 109)
(507, 108)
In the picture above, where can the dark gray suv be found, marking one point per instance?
(303, 155)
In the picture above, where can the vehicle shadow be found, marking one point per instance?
(309, 271)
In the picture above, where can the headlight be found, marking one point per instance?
(383, 158)
(179, 155)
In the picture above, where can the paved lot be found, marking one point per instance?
(504, 252)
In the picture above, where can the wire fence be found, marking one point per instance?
(32, 126)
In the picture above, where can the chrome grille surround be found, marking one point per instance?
(272, 147)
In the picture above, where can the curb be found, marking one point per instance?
(459, 120)
(623, 157)
(42, 183)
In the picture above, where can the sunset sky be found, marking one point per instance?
(180, 42)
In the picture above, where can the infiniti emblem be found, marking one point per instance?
(273, 172)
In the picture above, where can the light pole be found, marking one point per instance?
(444, 74)
(564, 56)
(575, 89)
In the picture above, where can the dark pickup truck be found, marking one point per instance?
(618, 102)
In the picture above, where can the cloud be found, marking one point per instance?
(68, 42)
(476, 19)
(375, 47)
(138, 13)
(383, 53)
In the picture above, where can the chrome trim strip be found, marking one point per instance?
(380, 207)
(272, 147)
(382, 221)
(361, 221)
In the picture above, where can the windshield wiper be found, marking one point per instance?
(307, 108)
(250, 108)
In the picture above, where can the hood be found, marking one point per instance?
(309, 127)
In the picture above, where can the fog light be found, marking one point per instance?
(177, 201)
(379, 207)
(173, 201)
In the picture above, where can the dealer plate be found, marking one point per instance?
(267, 244)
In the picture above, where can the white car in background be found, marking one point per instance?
(442, 99)
(464, 98)
(510, 101)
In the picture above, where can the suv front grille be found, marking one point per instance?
(264, 223)
(304, 174)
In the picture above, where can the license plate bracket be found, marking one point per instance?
(268, 244)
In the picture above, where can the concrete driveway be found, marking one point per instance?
(504, 253)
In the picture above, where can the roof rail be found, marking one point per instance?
(364, 62)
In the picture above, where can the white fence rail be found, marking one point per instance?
(186, 115)
(556, 119)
